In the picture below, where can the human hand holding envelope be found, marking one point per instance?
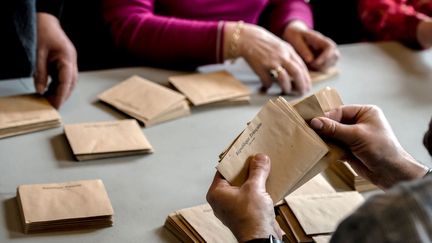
(297, 153)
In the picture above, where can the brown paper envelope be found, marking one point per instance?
(59, 201)
(180, 229)
(322, 238)
(317, 184)
(106, 137)
(207, 88)
(24, 110)
(317, 77)
(137, 95)
(292, 150)
(210, 228)
(321, 213)
(295, 227)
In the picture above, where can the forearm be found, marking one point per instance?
(163, 39)
(283, 12)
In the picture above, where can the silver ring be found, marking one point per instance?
(274, 72)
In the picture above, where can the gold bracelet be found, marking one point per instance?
(233, 50)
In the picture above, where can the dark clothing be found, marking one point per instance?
(18, 40)
(403, 214)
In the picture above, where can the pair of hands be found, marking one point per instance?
(56, 57)
(377, 156)
(301, 49)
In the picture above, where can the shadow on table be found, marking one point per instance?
(165, 235)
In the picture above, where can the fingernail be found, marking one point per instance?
(316, 124)
(39, 89)
(260, 157)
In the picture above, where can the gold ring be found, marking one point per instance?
(274, 72)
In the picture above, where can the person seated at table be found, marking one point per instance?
(33, 42)
(202, 32)
(407, 21)
(402, 214)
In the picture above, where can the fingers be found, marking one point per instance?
(41, 75)
(334, 129)
(259, 169)
(218, 183)
(300, 77)
(62, 84)
(303, 49)
(327, 49)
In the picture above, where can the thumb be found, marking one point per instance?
(259, 169)
(333, 129)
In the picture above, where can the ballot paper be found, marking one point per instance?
(318, 76)
(321, 213)
(280, 132)
(146, 101)
(64, 206)
(106, 139)
(208, 88)
(26, 113)
(198, 224)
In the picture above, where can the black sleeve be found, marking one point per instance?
(53, 7)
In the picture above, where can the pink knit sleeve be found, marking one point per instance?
(284, 11)
(162, 39)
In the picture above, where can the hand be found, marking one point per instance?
(318, 51)
(56, 56)
(378, 156)
(247, 210)
(424, 33)
(264, 52)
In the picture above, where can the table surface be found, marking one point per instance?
(145, 189)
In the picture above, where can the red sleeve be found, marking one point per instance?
(162, 39)
(391, 20)
(284, 11)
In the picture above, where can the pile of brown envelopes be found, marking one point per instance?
(212, 88)
(280, 131)
(106, 139)
(198, 224)
(312, 212)
(146, 101)
(26, 113)
(318, 76)
(64, 206)
(349, 176)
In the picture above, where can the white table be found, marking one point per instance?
(145, 189)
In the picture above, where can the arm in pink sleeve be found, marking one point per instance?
(162, 39)
(391, 20)
(284, 11)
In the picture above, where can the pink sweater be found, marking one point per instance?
(191, 31)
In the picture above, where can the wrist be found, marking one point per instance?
(233, 33)
(258, 231)
(424, 33)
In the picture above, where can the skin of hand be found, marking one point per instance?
(56, 56)
(318, 52)
(247, 210)
(264, 51)
(376, 153)
(424, 33)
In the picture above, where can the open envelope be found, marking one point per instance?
(26, 113)
(106, 139)
(64, 206)
(321, 213)
(212, 87)
(146, 101)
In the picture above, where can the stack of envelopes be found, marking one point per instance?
(106, 139)
(318, 76)
(281, 133)
(198, 224)
(349, 176)
(64, 206)
(211, 88)
(146, 101)
(26, 113)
